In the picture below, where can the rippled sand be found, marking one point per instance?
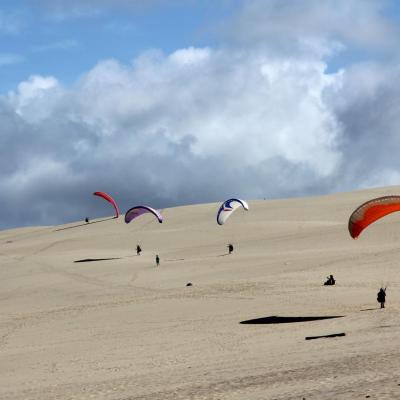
(121, 328)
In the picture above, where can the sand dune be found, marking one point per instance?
(117, 327)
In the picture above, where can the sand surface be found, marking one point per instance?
(124, 329)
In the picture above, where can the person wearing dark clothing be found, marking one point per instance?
(138, 250)
(382, 297)
(330, 280)
(157, 260)
(230, 248)
(87, 220)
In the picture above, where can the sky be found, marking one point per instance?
(173, 102)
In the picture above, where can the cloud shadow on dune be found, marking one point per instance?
(286, 320)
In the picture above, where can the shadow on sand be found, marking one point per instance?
(84, 224)
(96, 259)
(325, 336)
(286, 320)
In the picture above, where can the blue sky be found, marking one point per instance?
(57, 41)
(187, 101)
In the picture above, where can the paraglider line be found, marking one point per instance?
(85, 224)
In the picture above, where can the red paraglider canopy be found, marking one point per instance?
(107, 197)
(371, 211)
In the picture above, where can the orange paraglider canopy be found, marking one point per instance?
(371, 211)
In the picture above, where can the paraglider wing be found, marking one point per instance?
(107, 197)
(371, 211)
(137, 211)
(227, 207)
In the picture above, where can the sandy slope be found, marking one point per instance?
(124, 329)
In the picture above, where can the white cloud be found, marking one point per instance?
(35, 98)
(194, 125)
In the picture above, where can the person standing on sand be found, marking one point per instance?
(230, 248)
(157, 260)
(138, 250)
(382, 297)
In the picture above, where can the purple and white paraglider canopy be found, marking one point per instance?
(137, 211)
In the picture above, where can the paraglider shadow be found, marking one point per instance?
(286, 320)
(332, 335)
(96, 259)
(85, 224)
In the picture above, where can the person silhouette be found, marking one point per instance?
(381, 297)
(330, 280)
(230, 248)
(87, 220)
(138, 250)
(157, 260)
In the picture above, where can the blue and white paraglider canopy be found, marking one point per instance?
(227, 207)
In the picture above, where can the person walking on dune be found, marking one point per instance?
(157, 260)
(230, 248)
(138, 250)
(382, 297)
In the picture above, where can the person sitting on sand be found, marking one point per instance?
(230, 248)
(138, 250)
(330, 280)
(382, 297)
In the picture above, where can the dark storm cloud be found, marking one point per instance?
(367, 107)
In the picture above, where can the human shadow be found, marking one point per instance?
(84, 224)
(370, 309)
(96, 259)
(286, 320)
